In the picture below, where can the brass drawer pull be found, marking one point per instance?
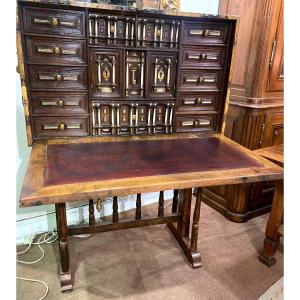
(196, 122)
(41, 21)
(197, 101)
(58, 77)
(54, 22)
(71, 77)
(45, 50)
(212, 32)
(196, 32)
(191, 80)
(68, 52)
(60, 126)
(207, 32)
(209, 79)
(68, 23)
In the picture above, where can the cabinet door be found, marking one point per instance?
(276, 74)
(273, 132)
(105, 73)
(162, 70)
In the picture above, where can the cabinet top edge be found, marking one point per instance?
(109, 7)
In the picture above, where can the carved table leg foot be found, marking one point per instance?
(271, 241)
(181, 233)
(62, 232)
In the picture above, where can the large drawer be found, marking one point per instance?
(199, 80)
(188, 123)
(55, 51)
(58, 103)
(47, 127)
(54, 21)
(198, 101)
(197, 33)
(201, 56)
(54, 78)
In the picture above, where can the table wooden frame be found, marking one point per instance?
(34, 192)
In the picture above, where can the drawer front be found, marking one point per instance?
(54, 21)
(47, 127)
(198, 80)
(197, 57)
(196, 33)
(58, 103)
(198, 102)
(57, 77)
(55, 51)
(195, 123)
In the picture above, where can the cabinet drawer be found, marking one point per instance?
(58, 103)
(198, 57)
(55, 51)
(54, 21)
(195, 33)
(47, 127)
(199, 80)
(195, 122)
(47, 77)
(198, 101)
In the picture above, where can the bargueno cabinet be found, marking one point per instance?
(95, 70)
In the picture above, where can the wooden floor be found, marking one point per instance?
(147, 263)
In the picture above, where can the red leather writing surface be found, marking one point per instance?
(71, 163)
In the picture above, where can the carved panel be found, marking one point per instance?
(106, 73)
(160, 33)
(129, 118)
(135, 74)
(162, 74)
(111, 30)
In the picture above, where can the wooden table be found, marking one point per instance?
(66, 170)
(274, 228)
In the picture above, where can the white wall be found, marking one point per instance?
(42, 218)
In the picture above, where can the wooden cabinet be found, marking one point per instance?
(104, 71)
(255, 112)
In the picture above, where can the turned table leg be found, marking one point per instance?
(272, 239)
(62, 231)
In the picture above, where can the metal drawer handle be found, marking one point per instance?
(41, 21)
(212, 32)
(195, 123)
(197, 101)
(209, 79)
(206, 32)
(54, 22)
(56, 50)
(60, 126)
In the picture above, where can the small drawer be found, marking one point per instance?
(195, 122)
(196, 33)
(47, 127)
(197, 57)
(200, 80)
(58, 103)
(198, 102)
(54, 78)
(55, 51)
(54, 21)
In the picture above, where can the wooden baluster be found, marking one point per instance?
(175, 201)
(138, 212)
(91, 212)
(161, 204)
(115, 210)
(196, 218)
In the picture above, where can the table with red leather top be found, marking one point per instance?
(91, 168)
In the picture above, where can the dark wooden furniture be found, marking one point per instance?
(274, 228)
(91, 70)
(255, 114)
(116, 166)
